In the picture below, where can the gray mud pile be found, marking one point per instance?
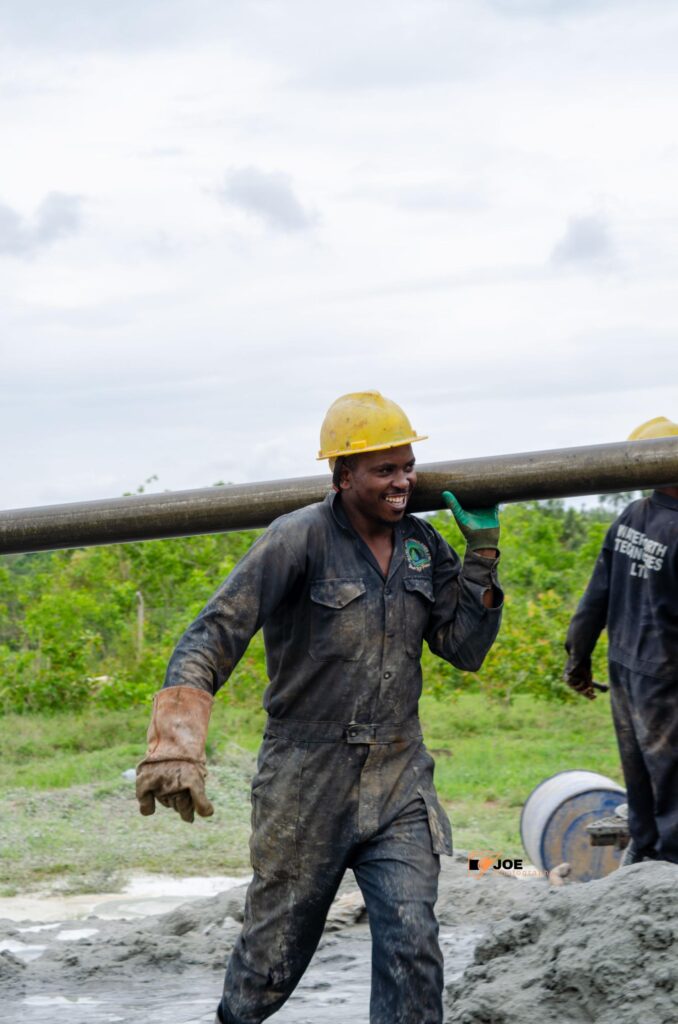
(466, 899)
(605, 951)
(195, 935)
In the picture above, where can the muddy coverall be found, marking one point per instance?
(343, 779)
(634, 593)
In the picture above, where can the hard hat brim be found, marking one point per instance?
(345, 452)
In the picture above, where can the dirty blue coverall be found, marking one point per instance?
(343, 779)
(634, 593)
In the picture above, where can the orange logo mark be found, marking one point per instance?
(481, 861)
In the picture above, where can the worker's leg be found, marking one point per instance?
(398, 875)
(639, 791)
(654, 704)
(284, 920)
(304, 800)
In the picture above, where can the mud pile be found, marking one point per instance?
(605, 951)
(198, 934)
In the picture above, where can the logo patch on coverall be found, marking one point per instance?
(418, 555)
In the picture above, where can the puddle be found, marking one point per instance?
(76, 934)
(21, 950)
(142, 896)
(41, 927)
(122, 1007)
(51, 1001)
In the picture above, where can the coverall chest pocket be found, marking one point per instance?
(338, 620)
(418, 599)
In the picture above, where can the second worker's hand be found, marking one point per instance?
(480, 526)
(581, 683)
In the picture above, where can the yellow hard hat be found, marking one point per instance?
(658, 427)
(364, 421)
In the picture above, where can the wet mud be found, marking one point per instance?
(169, 967)
(601, 951)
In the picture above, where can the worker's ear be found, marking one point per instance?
(342, 475)
(345, 476)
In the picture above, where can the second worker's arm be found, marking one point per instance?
(586, 626)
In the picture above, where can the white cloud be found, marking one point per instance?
(56, 217)
(268, 196)
(587, 240)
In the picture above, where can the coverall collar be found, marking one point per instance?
(399, 532)
(665, 499)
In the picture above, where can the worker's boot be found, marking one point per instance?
(219, 1019)
(632, 855)
(629, 855)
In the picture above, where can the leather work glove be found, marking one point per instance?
(580, 679)
(173, 770)
(480, 526)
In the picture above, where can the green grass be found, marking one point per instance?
(490, 756)
(89, 837)
(66, 812)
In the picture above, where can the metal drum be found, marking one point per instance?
(554, 819)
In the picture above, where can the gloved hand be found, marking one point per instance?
(580, 679)
(176, 784)
(480, 526)
(173, 770)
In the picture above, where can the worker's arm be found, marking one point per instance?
(214, 643)
(466, 613)
(174, 769)
(480, 529)
(587, 624)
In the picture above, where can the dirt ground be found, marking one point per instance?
(515, 950)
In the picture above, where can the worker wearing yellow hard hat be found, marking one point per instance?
(364, 423)
(658, 427)
(633, 593)
(346, 591)
(652, 430)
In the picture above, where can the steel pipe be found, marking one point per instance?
(562, 472)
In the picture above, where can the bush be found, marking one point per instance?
(96, 626)
(548, 553)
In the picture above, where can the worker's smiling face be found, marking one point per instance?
(378, 485)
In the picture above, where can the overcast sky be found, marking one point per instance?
(217, 217)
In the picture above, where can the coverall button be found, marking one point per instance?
(387, 675)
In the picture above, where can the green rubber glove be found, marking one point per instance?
(480, 526)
